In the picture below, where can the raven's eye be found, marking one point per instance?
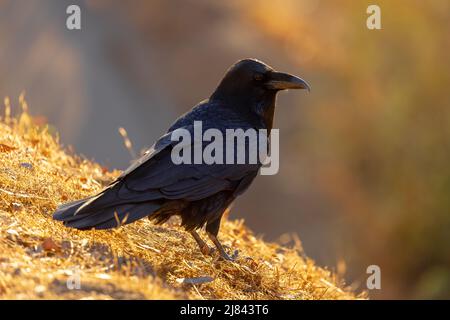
(258, 76)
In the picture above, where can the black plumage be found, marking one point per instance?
(156, 187)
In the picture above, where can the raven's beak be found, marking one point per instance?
(282, 81)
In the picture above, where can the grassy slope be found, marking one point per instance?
(38, 255)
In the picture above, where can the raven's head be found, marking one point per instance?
(251, 86)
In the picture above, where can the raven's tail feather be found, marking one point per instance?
(67, 210)
(104, 217)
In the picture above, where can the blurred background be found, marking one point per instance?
(365, 157)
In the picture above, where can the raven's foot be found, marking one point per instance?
(221, 250)
(227, 257)
(204, 248)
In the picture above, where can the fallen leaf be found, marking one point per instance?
(34, 142)
(6, 148)
(49, 245)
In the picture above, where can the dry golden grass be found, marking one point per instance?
(39, 256)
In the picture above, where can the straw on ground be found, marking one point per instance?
(40, 258)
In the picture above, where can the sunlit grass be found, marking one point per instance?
(138, 261)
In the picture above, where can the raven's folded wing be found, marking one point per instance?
(157, 175)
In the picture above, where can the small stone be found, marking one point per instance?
(15, 206)
(26, 165)
(197, 280)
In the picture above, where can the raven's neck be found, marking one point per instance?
(258, 111)
(266, 110)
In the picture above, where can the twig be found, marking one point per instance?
(22, 195)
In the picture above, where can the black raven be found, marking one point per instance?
(156, 187)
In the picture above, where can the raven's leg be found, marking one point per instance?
(204, 248)
(219, 247)
(212, 229)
